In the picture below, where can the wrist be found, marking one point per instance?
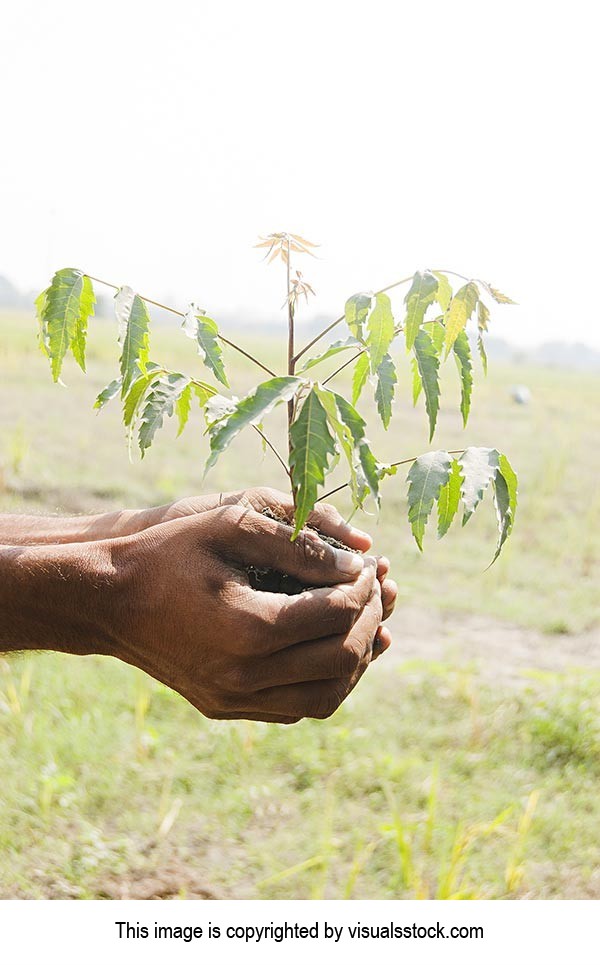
(60, 597)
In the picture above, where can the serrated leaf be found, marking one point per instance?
(478, 468)
(505, 501)
(437, 332)
(443, 295)
(349, 427)
(459, 312)
(498, 296)
(218, 407)
(159, 403)
(384, 392)
(205, 332)
(462, 354)
(135, 392)
(40, 308)
(183, 407)
(252, 408)
(108, 393)
(64, 309)
(426, 477)
(482, 353)
(448, 499)
(419, 297)
(361, 373)
(356, 310)
(134, 325)
(417, 385)
(312, 447)
(381, 332)
(483, 316)
(333, 349)
(428, 365)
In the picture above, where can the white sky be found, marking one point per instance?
(150, 143)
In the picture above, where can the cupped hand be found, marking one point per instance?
(188, 616)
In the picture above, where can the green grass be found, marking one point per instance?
(417, 787)
(427, 782)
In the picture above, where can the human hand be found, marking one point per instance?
(188, 616)
(325, 518)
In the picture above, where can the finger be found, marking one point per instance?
(383, 567)
(383, 642)
(324, 517)
(389, 594)
(282, 621)
(264, 717)
(248, 537)
(321, 698)
(327, 659)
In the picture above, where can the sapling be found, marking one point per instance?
(323, 426)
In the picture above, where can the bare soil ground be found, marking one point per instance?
(501, 652)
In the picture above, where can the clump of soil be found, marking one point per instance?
(273, 581)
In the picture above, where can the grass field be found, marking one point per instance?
(434, 779)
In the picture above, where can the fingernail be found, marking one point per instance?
(361, 532)
(349, 563)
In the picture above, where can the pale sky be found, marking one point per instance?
(150, 143)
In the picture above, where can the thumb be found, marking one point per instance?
(243, 535)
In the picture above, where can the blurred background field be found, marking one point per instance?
(467, 764)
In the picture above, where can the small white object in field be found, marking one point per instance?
(520, 394)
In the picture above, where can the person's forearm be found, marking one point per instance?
(58, 597)
(16, 530)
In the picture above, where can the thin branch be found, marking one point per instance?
(274, 451)
(325, 331)
(354, 357)
(403, 462)
(175, 311)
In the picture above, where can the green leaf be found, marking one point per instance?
(483, 317)
(183, 407)
(482, 353)
(206, 332)
(108, 393)
(417, 384)
(498, 296)
(64, 309)
(252, 408)
(428, 365)
(135, 392)
(478, 468)
(159, 403)
(448, 499)
(349, 427)
(462, 354)
(361, 372)
(134, 324)
(333, 349)
(384, 393)
(459, 312)
(312, 447)
(40, 308)
(381, 330)
(443, 295)
(419, 297)
(355, 312)
(505, 501)
(437, 332)
(426, 477)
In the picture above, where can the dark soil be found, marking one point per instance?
(272, 580)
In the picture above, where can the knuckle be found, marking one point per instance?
(348, 659)
(346, 608)
(312, 550)
(327, 703)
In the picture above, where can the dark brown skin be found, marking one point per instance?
(167, 590)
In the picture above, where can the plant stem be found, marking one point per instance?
(175, 311)
(353, 359)
(402, 462)
(291, 364)
(273, 450)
